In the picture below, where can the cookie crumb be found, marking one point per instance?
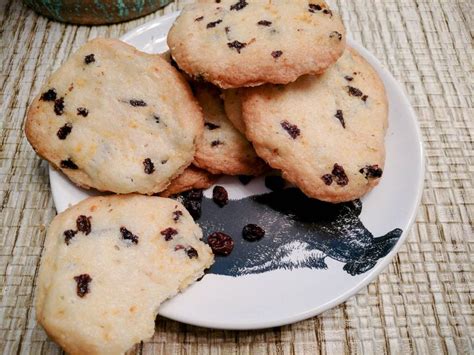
(149, 167)
(168, 233)
(59, 106)
(292, 129)
(220, 243)
(340, 117)
(220, 196)
(238, 46)
(82, 287)
(64, 131)
(68, 164)
(239, 5)
(90, 58)
(127, 235)
(68, 235)
(82, 111)
(83, 224)
(277, 54)
(49, 95)
(340, 175)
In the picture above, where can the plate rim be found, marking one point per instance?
(380, 266)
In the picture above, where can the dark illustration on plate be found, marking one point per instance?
(299, 233)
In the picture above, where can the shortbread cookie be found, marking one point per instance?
(222, 149)
(325, 133)
(108, 264)
(116, 119)
(191, 178)
(233, 108)
(235, 43)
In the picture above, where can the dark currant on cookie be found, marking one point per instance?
(211, 126)
(128, 236)
(83, 224)
(82, 111)
(156, 118)
(313, 8)
(277, 54)
(59, 106)
(371, 172)
(264, 23)
(200, 18)
(348, 78)
(274, 183)
(239, 5)
(192, 253)
(64, 131)
(169, 233)
(335, 34)
(253, 232)
(177, 215)
(90, 58)
(216, 143)
(354, 91)
(148, 165)
(292, 129)
(68, 235)
(327, 179)
(49, 95)
(82, 284)
(213, 24)
(364, 98)
(340, 117)
(238, 46)
(137, 103)
(68, 164)
(340, 175)
(220, 196)
(220, 243)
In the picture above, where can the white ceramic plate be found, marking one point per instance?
(296, 271)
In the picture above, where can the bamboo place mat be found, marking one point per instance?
(421, 303)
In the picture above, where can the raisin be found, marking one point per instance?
(314, 7)
(292, 129)
(64, 131)
(371, 172)
(68, 235)
(264, 23)
(137, 103)
(83, 224)
(191, 253)
(49, 95)
(82, 111)
(238, 46)
(327, 179)
(192, 202)
(213, 24)
(157, 118)
(327, 12)
(200, 18)
(339, 175)
(239, 5)
(211, 126)
(220, 243)
(354, 91)
(83, 282)
(274, 183)
(220, 196)
(59, 106)
(340, 117)
(127, 235)
(335, 34)
(168, 233)
(68, 164)
(88, 59)
(348, 78)
(245, 179)
(252, 232)
(277, 54)
(216, 143)
(177, 215)
(149, 166)
(364, 98)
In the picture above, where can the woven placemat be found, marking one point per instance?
(422, 303)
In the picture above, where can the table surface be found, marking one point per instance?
(421, 303)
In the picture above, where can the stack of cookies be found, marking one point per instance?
(248, 86)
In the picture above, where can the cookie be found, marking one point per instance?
(116, 119)
(222, 149)
(108, 263)
(191, 178)
(235, 43)
(233, 108)
(325, 133)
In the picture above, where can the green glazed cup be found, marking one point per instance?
(95, 12)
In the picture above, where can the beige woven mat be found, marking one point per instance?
(422, 303)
